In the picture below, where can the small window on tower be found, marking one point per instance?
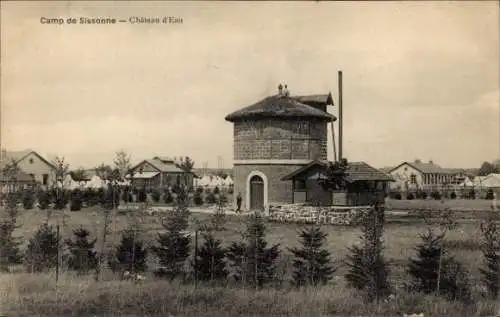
(31, 160)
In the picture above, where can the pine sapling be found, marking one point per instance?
(210, 263)
(82, 257)
(491, 254)
(312, 264)
(42, 250)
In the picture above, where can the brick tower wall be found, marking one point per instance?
(279, 192)
(280, 139)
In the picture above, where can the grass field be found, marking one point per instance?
(76, 296)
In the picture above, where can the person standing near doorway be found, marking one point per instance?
(238, 203)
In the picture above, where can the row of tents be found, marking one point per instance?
(97, 182)
(213, 181)
(486, 182)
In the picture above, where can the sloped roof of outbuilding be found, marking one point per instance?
(279, 107)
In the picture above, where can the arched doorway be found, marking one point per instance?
(256, 193)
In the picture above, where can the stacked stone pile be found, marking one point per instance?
(301, 213)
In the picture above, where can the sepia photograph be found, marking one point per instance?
(250, 158)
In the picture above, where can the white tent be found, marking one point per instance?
(204, 181)
(491, 181)
(95, 182)
(228, 181)
(467, 182)
(217, 181)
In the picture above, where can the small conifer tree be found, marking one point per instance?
(43, 200)
(218, 218)
(76, 200)
(167, 196)
(491, 254)
(368, 269)
(155, 195)
(42, 249)
(28, 199)
(82, 257)
(210, 263)
(435, 272)
(173, 246)
(130, 255)
(197, 198)
(312, 264)
(9, 246)
(251, 260)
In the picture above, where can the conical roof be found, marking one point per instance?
(279, 106)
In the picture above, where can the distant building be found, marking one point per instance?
(279, 143)
(411, 176)
(159, 172)
(31, 163)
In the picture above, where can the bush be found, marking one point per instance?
(410, 196)
(422, 195)
(216, 190)
(198, 200)
(156, 196)
(472, 194)
(82, 257)
(76, 201)
(199, 190)
(43, 200)
(433, 264)
(368, 271)
(28, 200)
(210, 264)
(173, 246)
(41, 253)
(312, 264)
(230, 190)
(453, 195)
(210, 198)
(251, 260)
(436, 195)
(489, 194)
(167, 196)
(9, 247)
(130, 255)
(491, 247)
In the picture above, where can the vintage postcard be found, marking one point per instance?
(252, 158)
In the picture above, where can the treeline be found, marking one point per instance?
(252, 262)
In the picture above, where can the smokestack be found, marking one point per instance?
(340, 116)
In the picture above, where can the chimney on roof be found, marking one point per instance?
(418, 161)
(431, 162)
(280, 90)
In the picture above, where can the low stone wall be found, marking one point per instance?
(332, 215)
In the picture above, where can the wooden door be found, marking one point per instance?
(256, 193)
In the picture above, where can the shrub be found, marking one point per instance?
(43, 200)
(410, 196)
(312, 264)
(167, 196)
(436, 195)
(210, 264)
(111, 197)
(472, 194)
(208, 190)
(491, 246)
(422, 195)
(172, 247)
(199, 190)
(230, 190)
(76, 201)
(210, 198)
(368, 270)
(28, 200)
(453, 195)
(198, 200)
(434, 272)
(42, 249)
(251, 260)
(130, 255)
(216, 190)
(9, 247)
(82, 257)
(155, 195)
(489, 194)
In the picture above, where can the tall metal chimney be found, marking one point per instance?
(340, 116)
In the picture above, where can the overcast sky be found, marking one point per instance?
(421, 80)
